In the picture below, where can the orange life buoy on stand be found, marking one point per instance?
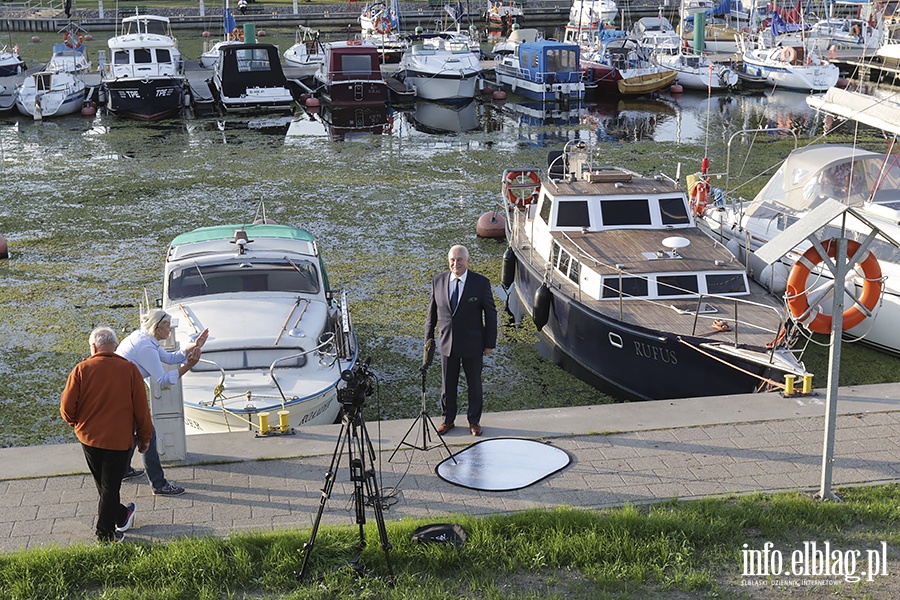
(237, 35)
(812, 317)
(382, 26)
(699, 196)
(518, 183)
(855, 30)
(72, 39)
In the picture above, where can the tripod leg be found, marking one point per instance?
(374, 495)
(440, 437)
(403, 441)
(326, 493)
(426, 434)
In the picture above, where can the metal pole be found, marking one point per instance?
(834, 369)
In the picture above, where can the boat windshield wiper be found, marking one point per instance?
(308, 278)
(200, 273)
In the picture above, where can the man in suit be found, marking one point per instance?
(463, 313)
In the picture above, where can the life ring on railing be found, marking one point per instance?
(698, 194)
(72, 39)
(517, 183)
(855, 30)
(237, 35)
(812, 317)
(788, 55)
(382, 26)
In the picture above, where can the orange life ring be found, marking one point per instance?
(855, 30)
(813, 318)
(70, 38)
(354, 42)
(382, 26)
(788, 55)
(517, 182)
(236, 35)
(699, 197)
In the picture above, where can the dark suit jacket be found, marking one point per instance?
(473, 327)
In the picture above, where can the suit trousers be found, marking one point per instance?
(108, 468)
(450, 368)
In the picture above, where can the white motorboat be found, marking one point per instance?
(59, 89)
(621, 282)
(789, 67)
(144, 77)
(280, 337)
(441, 69)
(307, 50)
(249, 77)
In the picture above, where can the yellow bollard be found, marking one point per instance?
(264, 423)
(807, 384)
(283, 420)
(789, 384)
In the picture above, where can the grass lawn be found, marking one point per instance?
(698, 549)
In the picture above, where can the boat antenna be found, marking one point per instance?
(260, 209)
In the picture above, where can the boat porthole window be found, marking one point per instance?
(616, 340)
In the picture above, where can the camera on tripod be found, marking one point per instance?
(359, 385)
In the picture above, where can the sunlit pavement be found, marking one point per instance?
(621, 454)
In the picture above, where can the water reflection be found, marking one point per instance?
(681, 118)
(628, 119)
(435, 117)
(700, 117)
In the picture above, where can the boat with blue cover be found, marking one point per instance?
(542, 70)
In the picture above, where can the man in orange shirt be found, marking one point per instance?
(106, 402)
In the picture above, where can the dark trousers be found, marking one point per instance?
(450, 368)
(108, 468)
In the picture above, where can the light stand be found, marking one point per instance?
(426, 421)
(365, 486)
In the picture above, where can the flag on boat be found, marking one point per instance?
(230, 23)
(456, 12)
(394, 15)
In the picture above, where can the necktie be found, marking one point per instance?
(454, 298)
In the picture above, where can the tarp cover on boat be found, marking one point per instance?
(812, 174)
(246, 66)
(877, 112)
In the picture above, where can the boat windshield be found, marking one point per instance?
(295, 276)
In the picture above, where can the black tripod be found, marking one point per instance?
(426, 421)
(365, 486)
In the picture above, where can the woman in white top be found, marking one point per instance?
(143, 349)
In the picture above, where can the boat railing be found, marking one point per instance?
(327, 357)
(701, 299)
